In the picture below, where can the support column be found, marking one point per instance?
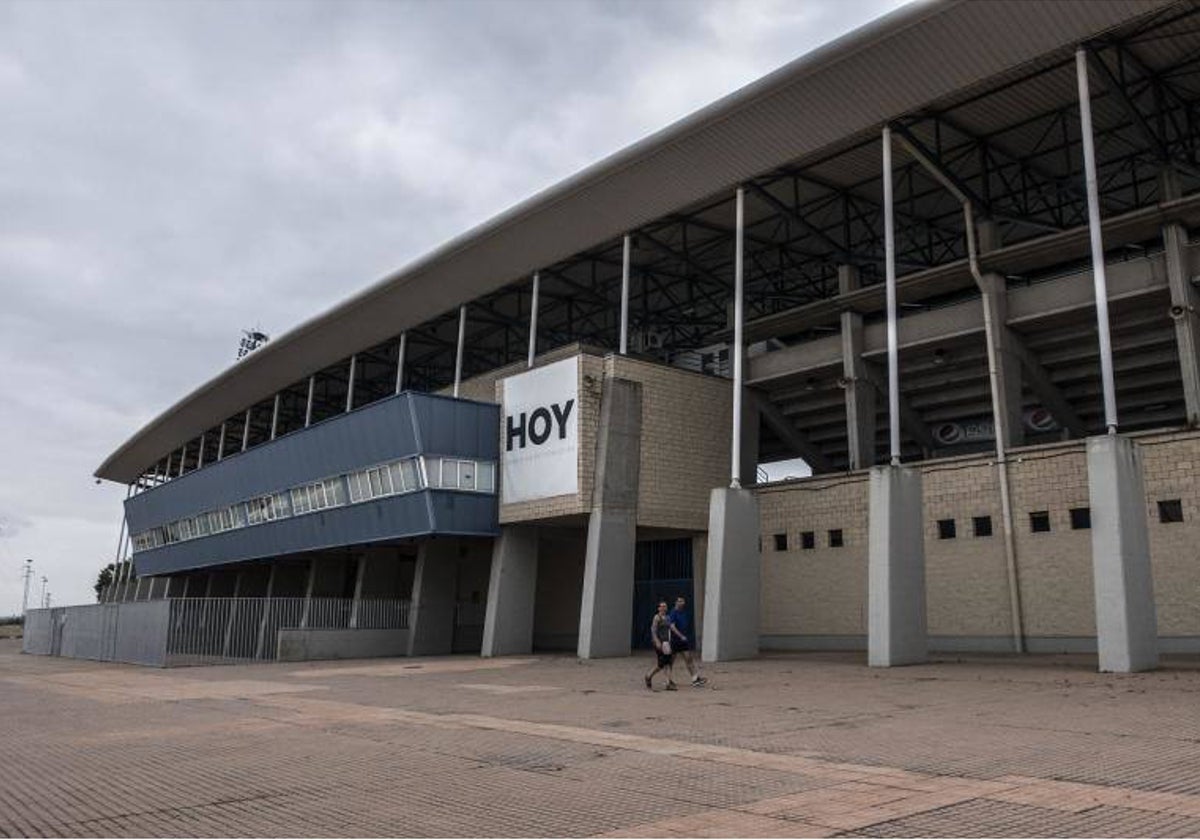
(533, 316)
(606, 613)
(896, 626)
(1007, 361)
(860, 391)
(732, 576)
(400, 353)
(458, 353)
(266, 614)
(308, 591)
(360, 572)
(1126, 622)
(623, 342)
(508, 622)
(431, 622)
(1185, 303)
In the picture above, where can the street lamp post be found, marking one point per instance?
(28, 573)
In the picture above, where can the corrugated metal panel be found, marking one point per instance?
(421, 514)
(906, 61)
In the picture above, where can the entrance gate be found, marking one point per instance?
(662, 572)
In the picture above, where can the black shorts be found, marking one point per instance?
(679, 646)
(664, 659)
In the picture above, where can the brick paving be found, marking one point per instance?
(813, 745)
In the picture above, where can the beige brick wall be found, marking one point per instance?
(684, 447)
(686, 421)
(823, 591)
(1170, 466)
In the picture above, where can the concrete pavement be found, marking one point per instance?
(806, 745)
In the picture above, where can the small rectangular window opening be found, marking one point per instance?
(982, 525)
(835, 538)
(1039, 521)
(946, 529)
(808, 539)
(1170, 510)
(1081, 519)
(781, 542)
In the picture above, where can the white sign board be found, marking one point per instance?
(539, 438)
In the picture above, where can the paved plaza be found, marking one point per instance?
(810, 745)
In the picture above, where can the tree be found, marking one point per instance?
(105, 580)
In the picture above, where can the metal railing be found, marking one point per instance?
(210, 630)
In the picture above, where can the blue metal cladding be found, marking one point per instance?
(404, 425)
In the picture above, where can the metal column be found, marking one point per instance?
(312, 383)
(533, 316)
(889, 238)
(200, 454)
(736, 350)
(458, 355)
(350, 383)
(275, 417)
(1098, 275)
(221, 443)
(400, 362)
(625, 248)
(246, 430)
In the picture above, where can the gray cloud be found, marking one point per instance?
(174, 172)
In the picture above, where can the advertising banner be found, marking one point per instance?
(539, 443)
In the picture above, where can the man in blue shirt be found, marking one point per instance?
(681, 631)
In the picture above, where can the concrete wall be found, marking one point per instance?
(559, 588)
(817, 598)
(302, 645)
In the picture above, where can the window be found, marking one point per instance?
(946, 529)
(808, 539)
(300, 502)
(835, 538)
(982, 525)
(466, 475)
(1081, 519)
(485, 477)
(1170, 510)
(781, 542)
(1039, 521)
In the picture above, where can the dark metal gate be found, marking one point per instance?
(662, 572)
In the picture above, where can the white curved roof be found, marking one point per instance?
(906, 60)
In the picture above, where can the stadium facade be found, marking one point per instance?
(946, 260)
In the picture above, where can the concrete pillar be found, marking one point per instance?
(264, 620)
(431, 619)
(1008, 360)
(360, 572)
(606, 612)
(732, 576)
(896, 628)
(508, 622)
(860, 390)
(1185, 302)
(1126, 623)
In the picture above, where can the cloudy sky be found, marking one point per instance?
(174, 172)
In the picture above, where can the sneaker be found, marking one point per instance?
(698, 681)
(649, 684)
(672, 687)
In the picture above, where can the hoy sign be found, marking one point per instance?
(539, 453)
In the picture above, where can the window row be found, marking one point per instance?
(1169, 510)
(834, 538)
(405, 476)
